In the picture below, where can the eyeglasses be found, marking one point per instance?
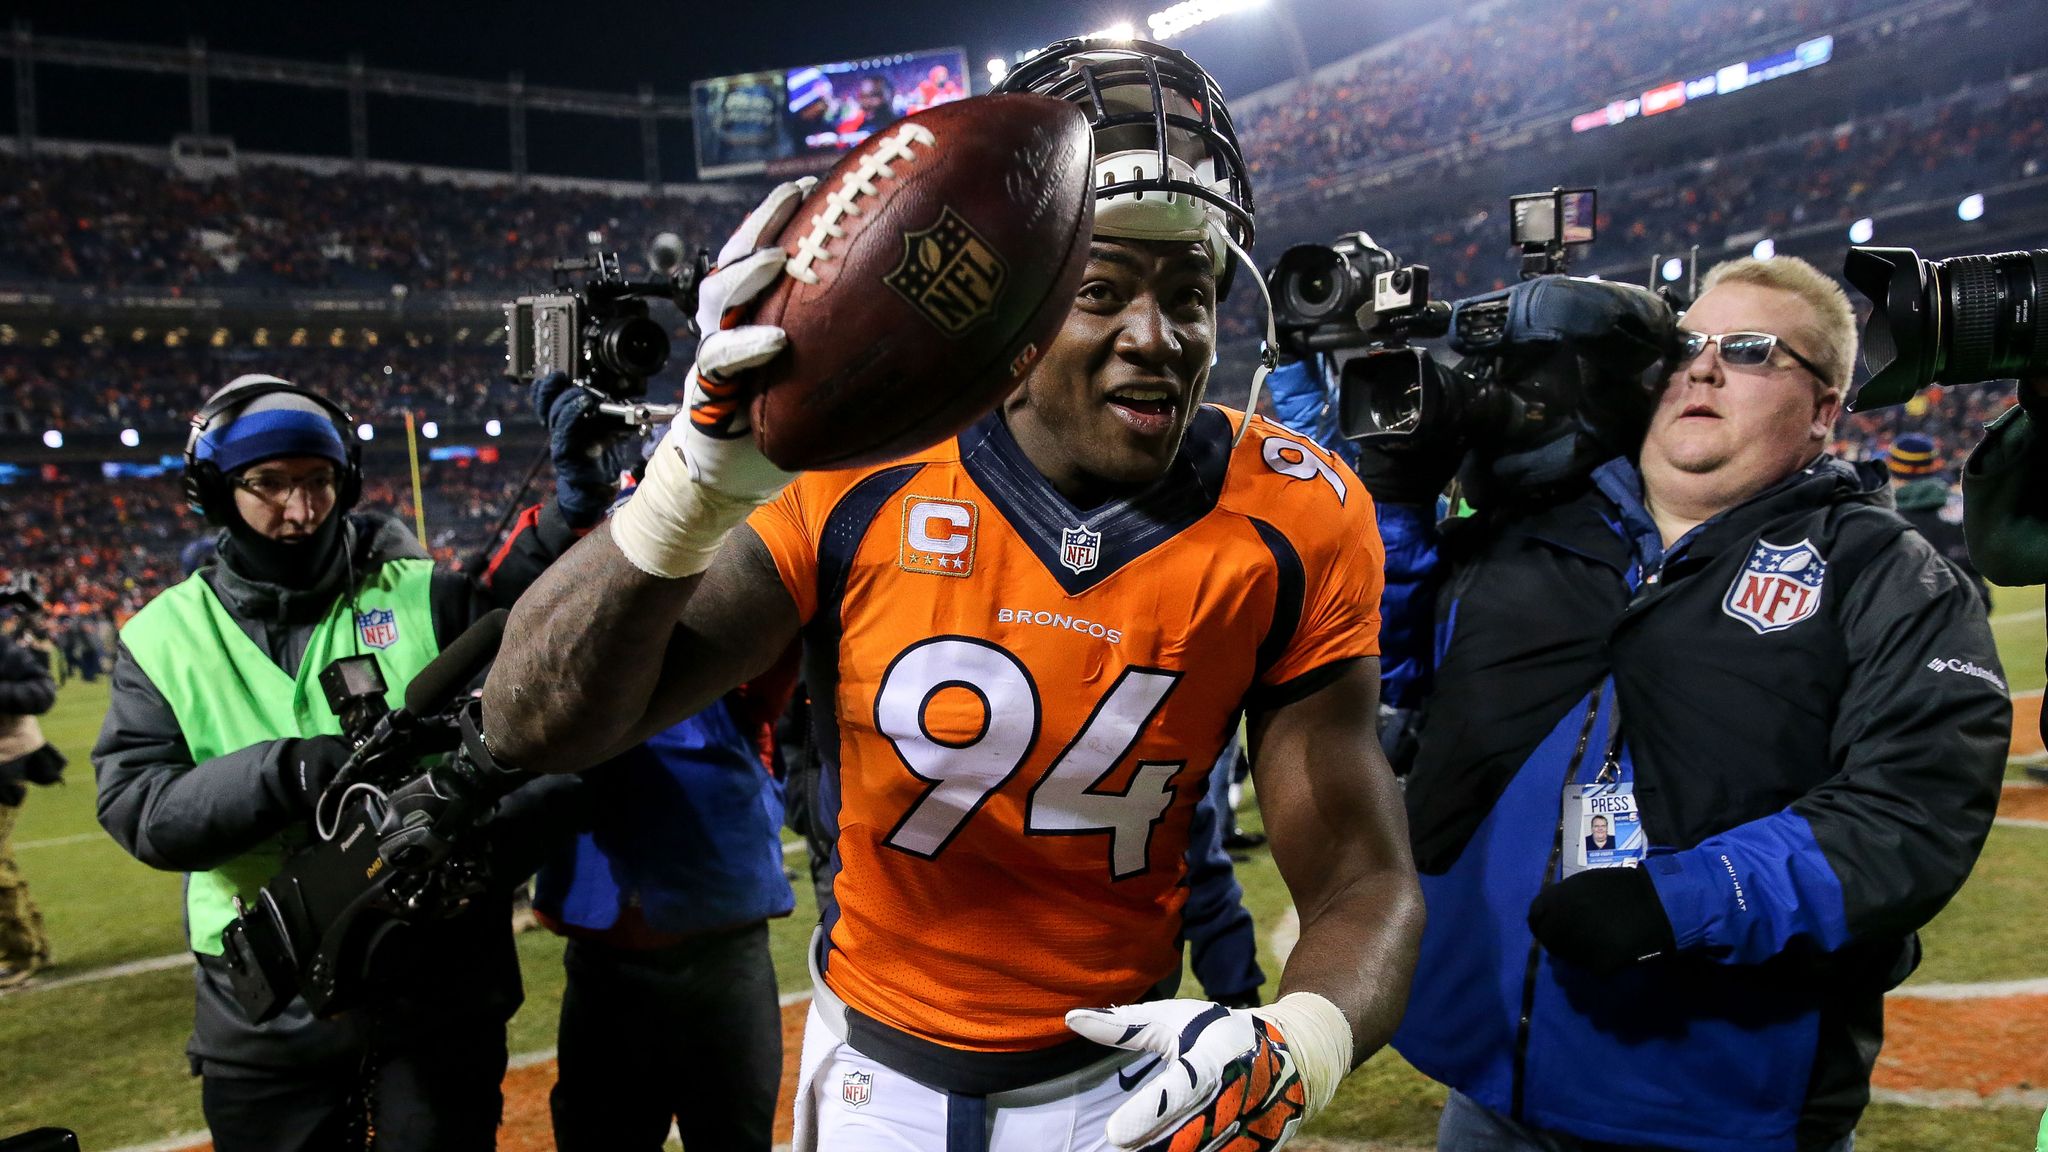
(1740, 349)
(277, 490)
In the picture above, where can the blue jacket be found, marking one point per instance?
(1305, 399)
(688, 827)
(1815, 778)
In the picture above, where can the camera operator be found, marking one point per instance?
(1734, 653)
(26, 692)
(217, 743)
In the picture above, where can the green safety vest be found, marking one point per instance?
(229, 694)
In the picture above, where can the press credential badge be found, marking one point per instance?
(1602, 827)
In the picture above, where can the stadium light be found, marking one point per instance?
(430, 430)
(997, 69)
(53, 439)
(130, 438)
(1861, 231)
(1673, 269)
(1765, 249)
(365, 432)
(1972, 207)
(493, 428)
(1121, 30)
(1194, 13)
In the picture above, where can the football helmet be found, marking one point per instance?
(1167, 164)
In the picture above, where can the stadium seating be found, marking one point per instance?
(118, 385)
(107, 544)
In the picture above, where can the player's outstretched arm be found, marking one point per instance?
(1340, 838)
(599, 654)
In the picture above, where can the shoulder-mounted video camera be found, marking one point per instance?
(397, 835)
(599, 332)
(1554, 370)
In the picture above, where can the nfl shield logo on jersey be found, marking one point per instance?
(1779, 586)
(1080, 549)
(857, 1088)
(378, 627)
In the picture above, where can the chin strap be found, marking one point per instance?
(1269, 355)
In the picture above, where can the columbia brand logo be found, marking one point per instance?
(1968, 669)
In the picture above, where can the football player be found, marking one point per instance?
(1029, 643)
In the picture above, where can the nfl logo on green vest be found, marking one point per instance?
(378, 627)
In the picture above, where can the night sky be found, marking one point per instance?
(613, 46)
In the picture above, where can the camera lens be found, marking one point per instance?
(1990, 310)
(1311, 285)
(632, 346)
(1315, 290)
(1956, 321)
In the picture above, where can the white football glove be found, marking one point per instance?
(707, 475)
(1231, 1078)
(718, 442)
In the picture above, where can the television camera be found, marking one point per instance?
(395, 838)
(1554, 371)
(599, 332)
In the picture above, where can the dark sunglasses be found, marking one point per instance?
(1740, 349)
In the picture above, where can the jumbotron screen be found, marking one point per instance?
(791, 121)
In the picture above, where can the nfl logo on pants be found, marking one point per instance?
(857, 1088)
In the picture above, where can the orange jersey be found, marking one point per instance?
(1018, 704)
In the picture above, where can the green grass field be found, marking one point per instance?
(106, 1057)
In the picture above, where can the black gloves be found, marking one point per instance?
(588, 449)
(309, 765)
(44, 766)
(1602, 920)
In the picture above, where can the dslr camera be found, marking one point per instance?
(1957, 321)
(598, 332)
(1350, 294)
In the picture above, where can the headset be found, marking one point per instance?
(206, 488)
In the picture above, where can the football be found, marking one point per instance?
(927, 273)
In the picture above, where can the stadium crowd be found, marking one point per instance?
(1485, 66)
(115, 221)
(113, 385)
(103, 546)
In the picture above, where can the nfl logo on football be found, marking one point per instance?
(1779, 586)
(857, 1088)
(1080, 549)
(378, 627)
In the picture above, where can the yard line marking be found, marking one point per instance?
(529, 1059)
(2030, 1099)
(111, 972)
(174, 1144)
(57, 841)
(1981, 990)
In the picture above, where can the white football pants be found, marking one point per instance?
(846, 1102)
